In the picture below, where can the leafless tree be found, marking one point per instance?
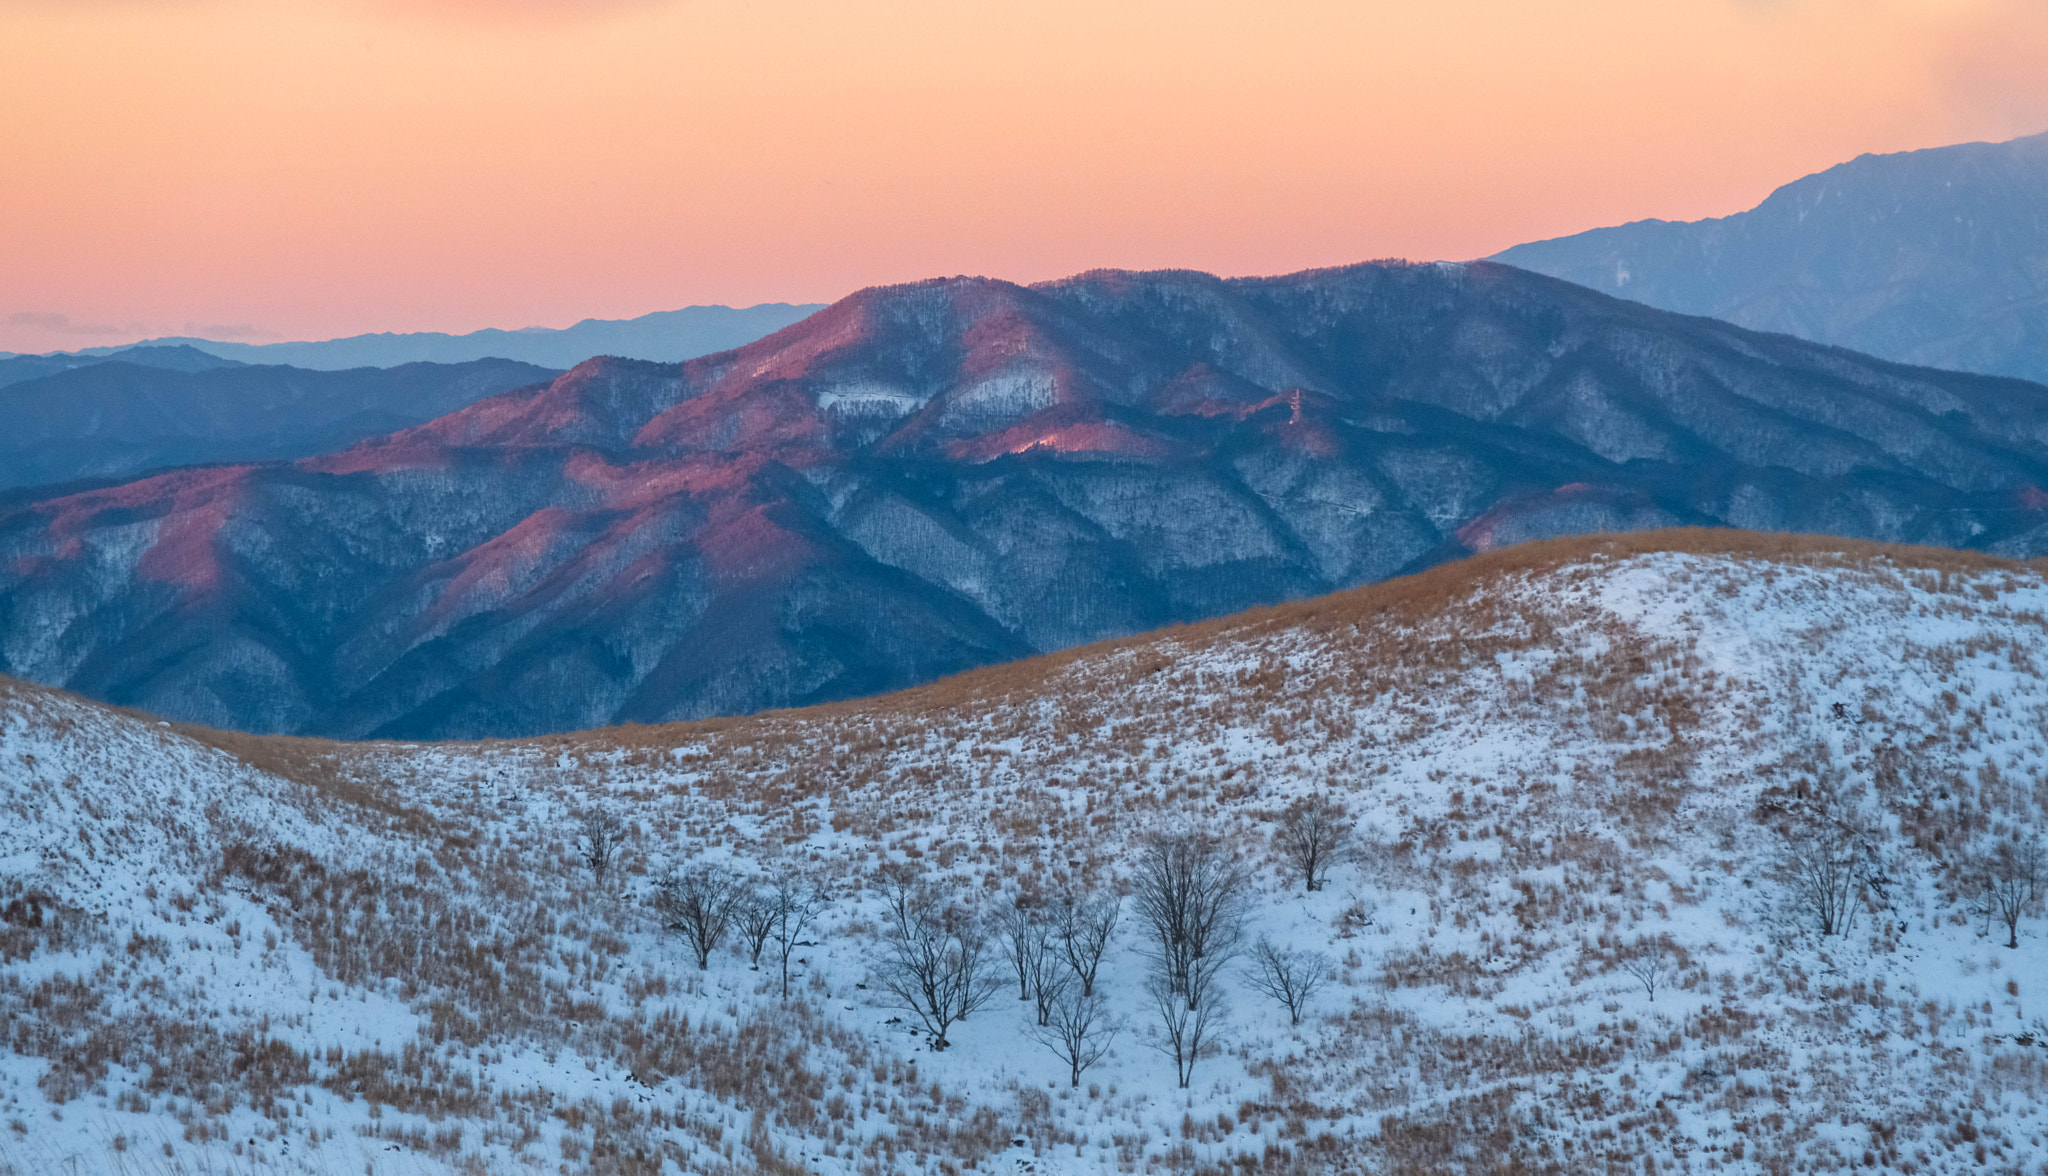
(1084, 925)
(753, 915)
(1826, 874)
(1078, 1030)
(1312, 834)
(1290, 977)
(1191, 892)
(698, 905)
(1026, 940)
(902, 889)
(1050, 981)
(1029, 941)
(2013, 876)
(1652, 962)
(1187, 1028)
(603, 833)
(794, 901)
(936, 964)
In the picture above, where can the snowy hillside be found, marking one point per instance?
(1583, 780)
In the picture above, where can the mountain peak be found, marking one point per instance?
(1937, 256)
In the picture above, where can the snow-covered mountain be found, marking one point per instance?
(1936, 257)
(1584, 778)
(925, 478)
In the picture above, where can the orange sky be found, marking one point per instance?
(310, 168)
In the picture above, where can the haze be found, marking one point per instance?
(250, 170)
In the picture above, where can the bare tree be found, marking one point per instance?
(1050, 981)
(936, 965)
(2013, 877)
(1078, 1030)
(1026, 940)
(1312, 834)
(1290, 977)
(1084, 925)
(1191, 892)
(753, 915)
(1029, 940)
(1825, 875)
(603, 833)
(903, 891)
(794, 901)
(1187, 1028)
(1652, 962)
(698, 905)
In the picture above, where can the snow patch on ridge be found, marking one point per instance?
(867, 398)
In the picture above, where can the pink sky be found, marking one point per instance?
(244, 168)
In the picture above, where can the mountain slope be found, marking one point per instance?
(666, 336)
(1563, 762)
(118, 418)
(930, 477)
(1935, 257)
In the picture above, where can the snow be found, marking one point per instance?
(1545, 769)
(1000, 400)
(868, 397)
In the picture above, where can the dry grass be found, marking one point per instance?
(1406, 600)
(1039, 772)
(337, 767)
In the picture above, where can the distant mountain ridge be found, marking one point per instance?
(935, 476)
(14, 369)
(1936, 257)
(111, 412)
(117, 419)
(668, 336)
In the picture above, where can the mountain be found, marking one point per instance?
(116, 418)
(667, 336)
(16, 368)
(1935, 257)
(925, 478)
(1568, 931)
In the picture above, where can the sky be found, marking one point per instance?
(303, 169)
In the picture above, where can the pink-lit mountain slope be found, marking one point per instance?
(924, 478)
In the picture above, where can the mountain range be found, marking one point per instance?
(667, 336)
(929, 477)
(1935, 257)
(15, 369)
(156, 407)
